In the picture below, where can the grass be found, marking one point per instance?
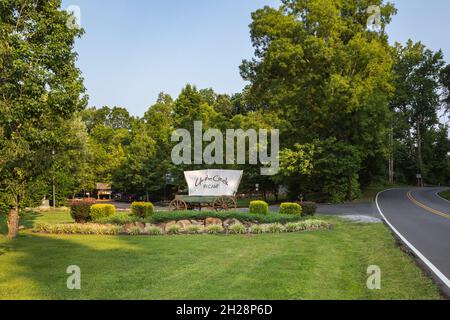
(445, 194)
(369, 193)
(311, 265)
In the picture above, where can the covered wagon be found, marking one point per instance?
(215, 189)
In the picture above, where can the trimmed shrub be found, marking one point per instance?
(142, 210)
(237, 229)
(308, 208)
(290, 208)
(194, 229)
(259, 207)
(81, 211)
(118, 219)
(174, 229)
(214, 229)
(101, 211)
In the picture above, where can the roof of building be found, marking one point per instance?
(103, 186)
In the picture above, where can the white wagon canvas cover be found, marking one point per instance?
(213, 182)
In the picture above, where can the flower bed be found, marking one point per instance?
(207, 226)
(78, 228)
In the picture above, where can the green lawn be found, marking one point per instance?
(313, 265)
(369, 193)
(445, 195)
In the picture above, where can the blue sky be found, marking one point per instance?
(134, 49)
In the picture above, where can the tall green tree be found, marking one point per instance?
(417, 102)
(445, 81)
(109, 137)
(147, 159)
(39, 87)
(318, 66)
(135, 172)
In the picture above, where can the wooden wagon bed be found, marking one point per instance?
(184, 202)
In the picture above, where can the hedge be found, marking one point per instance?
(142, 209)
(259, 207)
(290, 208)
(118, 219)
(100, 211)
(161, 217)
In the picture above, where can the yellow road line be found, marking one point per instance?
(433, 211)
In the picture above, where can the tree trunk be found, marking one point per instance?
(391, 156)
(419, 153)
(13, 223)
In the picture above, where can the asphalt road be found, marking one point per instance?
(421, 220)
(363, 208)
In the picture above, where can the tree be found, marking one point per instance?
(418, 75)
(257, 120)
(116, 118)
(318, 67)
(327, 168)
(445, 82)
(136, 172)
(109, 137)
(148, 157)
(160, 125)
(40, 86)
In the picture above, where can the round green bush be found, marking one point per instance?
(81, 211)
(259, 207)
(101, 211)
(142, 209)
(308, 208)
(290, 208)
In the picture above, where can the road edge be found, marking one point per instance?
(437, 195)
(445, 281)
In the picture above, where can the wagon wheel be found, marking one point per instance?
(178, 205)
(224, 203)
